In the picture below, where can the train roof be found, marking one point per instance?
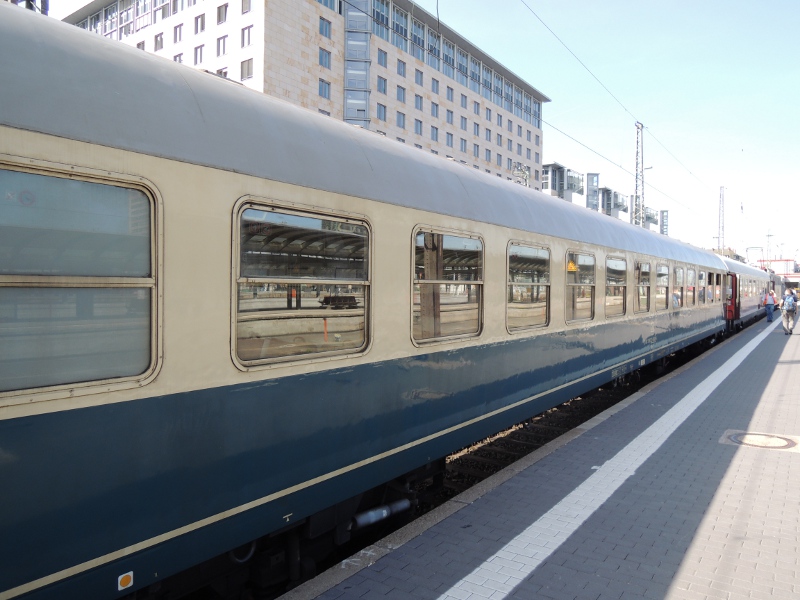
(734, 266)
(64, 81)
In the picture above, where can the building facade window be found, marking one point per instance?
(401, 121)
(418, 77)
(198, 55)
(381, 85)
(401, 68)
(247, 69)
(158, 42)
(177, 33)
(178, 58)
(464, 123)
(325, 27)
(449, 140)
(324, 88)
(401, 94)
(324, 58)
(329, 3)
(246, 31)
(245, 6)
(417, 101)
(381, 112)
(417, 126)
(222, 45)
(199, 24)
(383, 58)
(434, 109)
(435, 86)
(463, 145)
(449, 117)
(222, 14)
(434, 133)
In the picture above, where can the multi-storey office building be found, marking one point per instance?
(385, 65)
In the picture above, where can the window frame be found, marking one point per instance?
(638, 279)
(443, 339)
(510, 284)
(662, 270)
(83, 388)
(568, 286)
(274, 205)
(624, 287)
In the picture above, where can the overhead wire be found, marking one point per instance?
(617, 100)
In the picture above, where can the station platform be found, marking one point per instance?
(689, 489)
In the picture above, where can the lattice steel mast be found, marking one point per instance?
(637, 208)
(721, 219)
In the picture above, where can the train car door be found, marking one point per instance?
(732, 306)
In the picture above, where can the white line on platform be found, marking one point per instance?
(546, 534)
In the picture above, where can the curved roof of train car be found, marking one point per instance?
(77, 85)
(734, 266)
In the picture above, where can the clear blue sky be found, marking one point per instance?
(716, 84)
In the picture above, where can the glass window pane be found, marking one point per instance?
(277, 318)
(55, 336)
(447, 257)
(442, 310)
(446, 309)
(580, 302)
(528, 306)
(677, 289)
(528, 265)
(281, 245)
(616, 271)
(643, 287)
(580, 268)
(330, 318)
(662, 286)
(56, 227)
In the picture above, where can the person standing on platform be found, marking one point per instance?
(769, 303)
(788, 310)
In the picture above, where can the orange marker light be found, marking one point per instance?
(125, 581)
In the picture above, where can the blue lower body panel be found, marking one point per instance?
(156, 485)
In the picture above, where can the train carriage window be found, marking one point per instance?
(677, 288)
(616, 286)
(701, 287)
(528, 287)
(580, 287)
(447, 286)
(690, 287)
(302, 286)
(76, 281)
(710, 290)
(642, 287)
(662, 286)
(718, 289)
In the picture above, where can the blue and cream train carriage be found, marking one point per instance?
(229, 322)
